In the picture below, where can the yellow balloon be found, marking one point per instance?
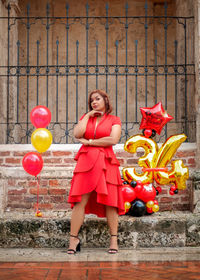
(178, 174)
(168, 149)
(41, 139)
(150, 204)
(127, 206)
(148, 160)
(155, 208)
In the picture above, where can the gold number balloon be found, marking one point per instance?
(154, 160)
(41, 139)
(147, 160)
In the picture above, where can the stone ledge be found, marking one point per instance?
(177, 229)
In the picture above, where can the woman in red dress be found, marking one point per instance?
(96, 183)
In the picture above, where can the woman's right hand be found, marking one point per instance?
(94, 113)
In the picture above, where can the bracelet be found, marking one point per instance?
(90, 141)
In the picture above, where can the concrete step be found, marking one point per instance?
(100, 255)
(162, 229)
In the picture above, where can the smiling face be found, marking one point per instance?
(97, 102)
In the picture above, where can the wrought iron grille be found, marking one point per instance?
(135, 69)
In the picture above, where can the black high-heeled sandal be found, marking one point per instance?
(78, 246)
(112, 250)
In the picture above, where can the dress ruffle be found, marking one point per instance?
(97, 172)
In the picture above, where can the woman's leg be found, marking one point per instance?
(77, 218)
(112, 219)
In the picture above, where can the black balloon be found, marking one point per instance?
(176, 191)
(125, 183)
(133, 184)
(137, 209)
(153, 133)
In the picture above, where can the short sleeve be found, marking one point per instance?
(116, 120)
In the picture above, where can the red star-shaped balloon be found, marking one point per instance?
(154, 118)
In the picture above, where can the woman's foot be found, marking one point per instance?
(74, 245)
(113, 245)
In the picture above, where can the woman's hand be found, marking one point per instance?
(84, 141)
(94, 113)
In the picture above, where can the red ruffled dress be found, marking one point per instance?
(97, 171)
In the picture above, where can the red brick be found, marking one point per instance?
(44, 206)
(52, 160)
(17, 198)
(123, 154)
(61, 153)
(16, 191)
(168, 199)
(41, 191)
(12, 182)
(54, 182)
(57, 191)
(1, 161)
(46, 154)
(20, 154)
(181, 154)
(13, 160)
(63, 206)
(22, 183)
(19, 205)
(191, 161)
(56, 199)
(32, 183)
(69, 160)
(44, 183)
(132, 161)
(4, 154)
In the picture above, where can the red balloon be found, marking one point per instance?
(40, 116)
(32, 163)
(147, 193)
(128, 193)
(147, 133)
(154, 118)
(138, 187)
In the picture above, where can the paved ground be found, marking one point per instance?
(90, 264)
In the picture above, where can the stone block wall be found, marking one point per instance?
(18, 190)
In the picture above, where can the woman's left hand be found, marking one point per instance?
(83, 141)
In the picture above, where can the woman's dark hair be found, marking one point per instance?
(108, 106)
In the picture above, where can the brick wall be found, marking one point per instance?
(18, 190)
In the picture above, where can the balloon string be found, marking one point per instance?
(38, 186)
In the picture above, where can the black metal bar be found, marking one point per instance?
(186, 101)
(67, 72)
(77, 72)
(97, 69)
(87, 30)
(175, 70)
(37, 72)
(107, 28)
(116, 78)
(57, 73)
(136, 82)
(27, 72)
(101, 17)
(166, 69)
(8, 76)
(47, 54)
(126, 71)
(146, 53)
(18, 46)
(156, 71)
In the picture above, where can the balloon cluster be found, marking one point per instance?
(140, 189)
(41, 140)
